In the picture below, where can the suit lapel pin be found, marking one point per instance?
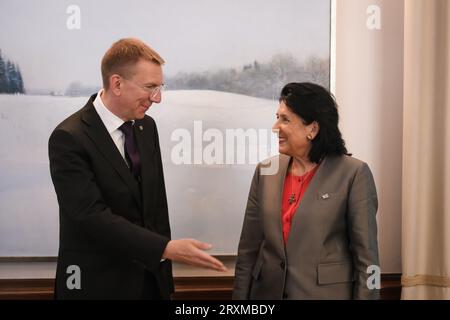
(325, 196)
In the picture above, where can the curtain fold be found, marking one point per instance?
(426, 151)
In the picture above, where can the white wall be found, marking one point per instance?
(369, 90)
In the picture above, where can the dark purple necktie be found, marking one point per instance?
(131, 150)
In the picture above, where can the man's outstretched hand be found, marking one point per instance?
(192, 252)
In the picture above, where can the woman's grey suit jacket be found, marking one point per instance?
(332, 241)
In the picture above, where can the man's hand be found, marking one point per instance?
(191, 251)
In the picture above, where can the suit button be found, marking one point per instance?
(282, 264)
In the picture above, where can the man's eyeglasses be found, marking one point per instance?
(153, 90)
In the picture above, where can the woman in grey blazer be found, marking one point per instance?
(310, 229)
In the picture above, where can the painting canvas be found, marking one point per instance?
(226, 62)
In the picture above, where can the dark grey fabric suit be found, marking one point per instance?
(112, 227)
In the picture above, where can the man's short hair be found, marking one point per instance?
(123, 55)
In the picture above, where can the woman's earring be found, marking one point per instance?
(309, 137)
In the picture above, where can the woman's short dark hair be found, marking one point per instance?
(314, 103)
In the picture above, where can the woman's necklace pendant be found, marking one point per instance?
(292, 198)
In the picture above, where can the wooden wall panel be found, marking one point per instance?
(186, 288)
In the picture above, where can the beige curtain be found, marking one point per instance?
(426, 151)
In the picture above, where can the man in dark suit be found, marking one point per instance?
(105, 163)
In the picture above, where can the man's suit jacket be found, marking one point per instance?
(112, 227)
(332, 241)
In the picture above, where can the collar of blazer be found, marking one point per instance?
(97, 132)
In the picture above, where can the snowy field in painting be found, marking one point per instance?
(206, 202)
